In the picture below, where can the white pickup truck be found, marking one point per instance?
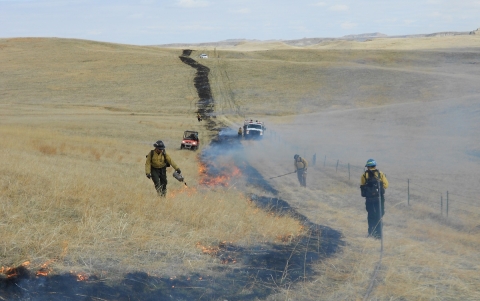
(253, 129)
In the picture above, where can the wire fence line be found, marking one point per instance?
(447, 202)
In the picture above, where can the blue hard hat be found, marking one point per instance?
(371, 163)
(159, 144)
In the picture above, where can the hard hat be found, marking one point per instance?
(296, 156)
(371, 163)
(159, 144)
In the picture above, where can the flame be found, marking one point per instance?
(213, 251)
(220, 177)
(11, 272)
(202, 168)
(82, 276)
(207, 249)
(45, 269)
(189, 191)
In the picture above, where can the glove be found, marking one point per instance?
(178, 170)
(149, 175)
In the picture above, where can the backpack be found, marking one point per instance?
(371, 187)
(164, 157)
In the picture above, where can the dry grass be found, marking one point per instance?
(85, 202)
(78, 118)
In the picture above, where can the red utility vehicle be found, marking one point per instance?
(190, 140)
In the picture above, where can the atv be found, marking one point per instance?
(190, 140)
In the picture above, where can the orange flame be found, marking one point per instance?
(11, 272)
(226, 173)
(207, 250)
(82, 277)
(213, 251)
(45, 269)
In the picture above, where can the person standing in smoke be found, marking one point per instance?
(156, 167)
(301, 169)
(199, 118)
(240, 132)
(372, 185)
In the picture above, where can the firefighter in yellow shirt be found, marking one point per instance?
(301, 169)
(156, 167)
(372, 185)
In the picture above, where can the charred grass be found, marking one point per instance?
(78, 118)
(85, 203)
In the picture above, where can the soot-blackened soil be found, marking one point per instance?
(205, 103)
(246, 273)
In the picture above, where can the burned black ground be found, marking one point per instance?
(245, 273)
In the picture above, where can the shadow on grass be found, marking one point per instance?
(245, 273)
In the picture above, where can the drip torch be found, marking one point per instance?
(179, 177)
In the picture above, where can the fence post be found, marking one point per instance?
(408, 191)
(441, 204)
(447, 203)
(349, 171)
(337, 166)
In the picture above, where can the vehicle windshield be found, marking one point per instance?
(190, 135)
(255, 126)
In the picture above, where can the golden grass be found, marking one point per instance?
(78, 118)
(85, 202)
(424, 257)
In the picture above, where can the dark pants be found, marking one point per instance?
(374, 215)
(159, 178)
(302, 177)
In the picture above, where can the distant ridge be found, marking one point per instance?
(313, 41)
(366, 35)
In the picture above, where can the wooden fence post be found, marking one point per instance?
(408, 191)
(441, 204)
(447, 203)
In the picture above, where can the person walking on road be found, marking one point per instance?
(301, 169)
(372, 185)
(156, 167)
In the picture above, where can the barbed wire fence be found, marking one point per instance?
(446, 203)
(442, 203)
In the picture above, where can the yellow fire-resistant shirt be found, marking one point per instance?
(383, 178)
(158, 161)
(300, 164)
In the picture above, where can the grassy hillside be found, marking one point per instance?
(78, 118)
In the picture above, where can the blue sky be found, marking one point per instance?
(152, 22)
